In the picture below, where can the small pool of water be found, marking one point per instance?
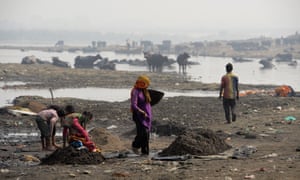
(89, 93)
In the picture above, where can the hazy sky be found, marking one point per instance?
(193, 17)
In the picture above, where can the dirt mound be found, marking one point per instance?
(31, 102)
(197, 142)
(106, 141)
(71, 155)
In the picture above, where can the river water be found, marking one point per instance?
(207, 70)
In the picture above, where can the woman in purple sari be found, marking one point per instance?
(141, 114)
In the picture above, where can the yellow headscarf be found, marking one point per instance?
(143, 82)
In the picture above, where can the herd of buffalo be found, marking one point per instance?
(154, 61)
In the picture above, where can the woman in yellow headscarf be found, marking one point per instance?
(141, 114)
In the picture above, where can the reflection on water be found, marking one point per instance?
(19, 136)
(104, 94)
(28, 136)
(89, 93)
(11, 83)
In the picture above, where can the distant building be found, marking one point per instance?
(279, 41)
(147, 45)
(94, 44)
(266, 43)
(290, 40)
(134, 44)
(245, 45)
(59, 43)
(181, 48)
(101, 44)
(198, 44)
(166, 46)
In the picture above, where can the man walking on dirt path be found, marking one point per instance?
(230, 89)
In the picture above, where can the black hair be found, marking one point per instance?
(229, 67)
(60, 112)
(69, 109)
(55, 107)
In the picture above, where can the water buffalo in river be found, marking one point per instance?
(284, 57)
(86, 61)
(155, 61)
(182, 60)
(267, 63)
(32, 60)
(105, 64)
(240, 59)
(57, 62)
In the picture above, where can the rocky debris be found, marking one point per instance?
(71, 155)
(197, 142)
(243, 152)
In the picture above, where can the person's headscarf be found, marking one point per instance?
(143, 83)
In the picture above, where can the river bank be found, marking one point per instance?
(261, 124)
(48, 76)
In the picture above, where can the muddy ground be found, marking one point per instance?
(269, 144)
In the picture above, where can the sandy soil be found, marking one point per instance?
(260, 125)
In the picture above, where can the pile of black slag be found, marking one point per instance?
(71, 155)
(200, 142)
